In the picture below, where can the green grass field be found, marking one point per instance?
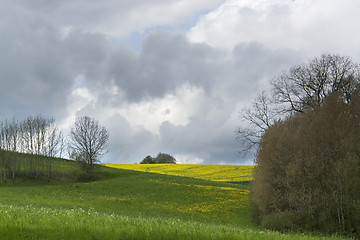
(127, 204)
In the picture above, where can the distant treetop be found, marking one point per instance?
(160, 158)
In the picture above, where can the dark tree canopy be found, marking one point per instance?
(164, 158)
(160, 158)
(148, 160)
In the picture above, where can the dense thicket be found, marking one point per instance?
(308, 168)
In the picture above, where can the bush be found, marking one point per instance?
(164, 158)
(160, 158)
(308, 167)
(148, 160)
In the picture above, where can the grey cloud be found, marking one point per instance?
(253, 65)
(166, 61)
(83, 12)
(128, 145)
(210, 143)
(34, 73)
(39, 65)
(112, 16)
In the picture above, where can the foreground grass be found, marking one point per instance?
(219, 173)
(29, 222)
(126, 204)
(132, 193)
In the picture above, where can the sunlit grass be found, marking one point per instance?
(127, 204)
(135, 193)
(219, 173)
(30, 222)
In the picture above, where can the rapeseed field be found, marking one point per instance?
(218, 173)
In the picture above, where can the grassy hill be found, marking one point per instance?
(218, 173)
(127, 204)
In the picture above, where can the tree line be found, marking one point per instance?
(41, 139)
(34, 135)
(307, 134)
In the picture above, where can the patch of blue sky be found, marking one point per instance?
(135, 38)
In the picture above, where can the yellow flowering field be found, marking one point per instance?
(219, 173)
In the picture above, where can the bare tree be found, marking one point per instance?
(54, 140)
(35, 135)
(88, 141)
(28, 135)
(9, 135)
(41, 136)
(257, 118)
(306, 86)
(302, 87)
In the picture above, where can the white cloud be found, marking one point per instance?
(79, 99)
(310, 26)
(174, 107)
(118, 18)
(188, 159)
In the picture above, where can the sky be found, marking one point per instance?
(161, 75)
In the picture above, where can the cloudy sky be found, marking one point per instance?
(162, 75)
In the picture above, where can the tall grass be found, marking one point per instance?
(29, 222)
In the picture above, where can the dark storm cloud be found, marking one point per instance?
(38, 65)
(165, 62)
(33, 70)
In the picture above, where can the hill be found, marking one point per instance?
(127, 204)
(218, 173)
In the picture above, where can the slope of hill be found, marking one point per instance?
(219, 173)
(127, 204)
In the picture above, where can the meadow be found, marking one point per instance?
(219, 173)
(128, 204)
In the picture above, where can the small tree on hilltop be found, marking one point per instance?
(164, 158)
(148, 160)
